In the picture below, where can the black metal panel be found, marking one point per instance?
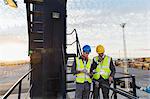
(36, 76)
(37, 56)
(54, 37)
(47, 79)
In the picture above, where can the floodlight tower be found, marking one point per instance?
(125, 55)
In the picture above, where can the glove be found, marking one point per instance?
(110, 80)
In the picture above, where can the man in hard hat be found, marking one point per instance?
(104, 71)
(81, 69)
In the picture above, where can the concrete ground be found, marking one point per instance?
(10, 74)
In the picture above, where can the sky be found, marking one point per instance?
(13, 32)
(96, 21)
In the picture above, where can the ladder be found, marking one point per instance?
(35, 24)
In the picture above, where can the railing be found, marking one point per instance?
(133, 81)
(18, 83)
(63, 70)
(79, 52)
(121, 93)
(130, 95)
(115, 90)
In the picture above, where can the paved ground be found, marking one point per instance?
(142, 76)
(142, 79)
(9, 75)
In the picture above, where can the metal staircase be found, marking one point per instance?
(70, 57)
(34, 19)
(36, 42)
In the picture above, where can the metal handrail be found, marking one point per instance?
(19, 82)
(124, 73)
(133, 83)
(72, 43)
(63, 70)
(71, 32)
(118, 78)
(124, 91)
(121, 93)
(79, 52)
(130, 95)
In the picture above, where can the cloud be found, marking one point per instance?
(103, 25)
(96, 21)
(13, 32)
(10, 17)
(13, 51)
(13, 23)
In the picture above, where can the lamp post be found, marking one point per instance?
(125, 56)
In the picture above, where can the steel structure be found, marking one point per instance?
(47, 36)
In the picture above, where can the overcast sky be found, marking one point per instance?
(13, 32)
(96, 21)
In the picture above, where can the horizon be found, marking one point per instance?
(101, 21)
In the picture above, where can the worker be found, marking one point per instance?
(104, 71)
(81, 69)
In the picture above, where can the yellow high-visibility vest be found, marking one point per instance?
(102, 68)
(82, 77)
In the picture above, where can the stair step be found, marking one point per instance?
(34, 1)
(70, 59)
(38, 41)
(37, 32)
(36, 46)
(69, 65)
(36, 36)
(72, 81)
(37, 22)
(36, 13)
(39, 49)
(70, 90)
(69, 73)
(71, 55)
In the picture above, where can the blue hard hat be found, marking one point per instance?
(86, 48)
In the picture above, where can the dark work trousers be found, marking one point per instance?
(82, 90)
(105, 91)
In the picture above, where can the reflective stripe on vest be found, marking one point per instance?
(102, 68)
(82, 77)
